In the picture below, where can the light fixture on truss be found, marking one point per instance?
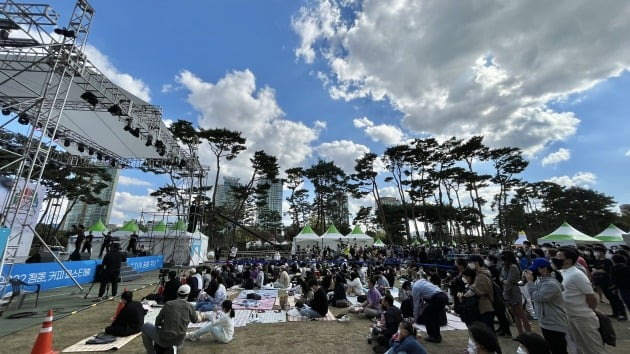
(23, 119)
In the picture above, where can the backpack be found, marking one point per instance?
(606, 329)
(497, 302)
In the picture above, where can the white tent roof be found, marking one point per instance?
(568, 235)
(306, 234)
(611, 236)
(357, 236)
(332, 233)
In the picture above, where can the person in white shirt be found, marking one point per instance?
(284, 281)
(580, 303)
(233, 252)
(355, 287)
(221, 325)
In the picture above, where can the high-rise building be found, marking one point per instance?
(224, 191)
(89, 214)
(274, 196)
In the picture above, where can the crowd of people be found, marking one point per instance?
(493, 291)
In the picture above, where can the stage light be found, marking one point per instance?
(81, 147)
(99, 156)
(136, 132)
(65, 32)
(23, 119)
(6, 111)
(149, 140)
(90, 98)
(90, 151)
(66, 142)
(115, 110)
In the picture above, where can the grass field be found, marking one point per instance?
(290, 337)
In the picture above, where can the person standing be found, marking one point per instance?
(133, 244)
(511, 275)
(434, 299)
(602, 278)
(87, 246)
(107, 242)
(580, 303)
(80, 237)
(171, 323)
(483, 288)
(546, 292)
(112, 263)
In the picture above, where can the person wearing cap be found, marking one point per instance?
(171, 323)
(112, 262)
(546, 292)
(130, 319)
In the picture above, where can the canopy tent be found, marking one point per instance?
(98, 227)
(333, 238)
(179, 226)
(611, 236)
(121, 236)
(306, 237)
(130, 226)
(378, 243)
(567, 235)
(415, 242)
(358, 237)
(159, 227)
(522, 237)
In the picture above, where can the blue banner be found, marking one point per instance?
(4, 239)
(145, 264)
(51, 275)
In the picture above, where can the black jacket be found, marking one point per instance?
(393, 317)
(170, 289)
(129, 320)
(320, 302)
(113, 261)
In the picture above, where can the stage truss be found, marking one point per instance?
(48, 84)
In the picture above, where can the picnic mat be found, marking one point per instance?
(80, 346)
(453, 323)
(265, 303)
(241, 318)
(263, 293)
(151, 315)
(329, 317)
(268, 317)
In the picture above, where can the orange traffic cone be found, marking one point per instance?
(44, 342)
(119, 307)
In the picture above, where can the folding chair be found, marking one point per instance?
(17, 289)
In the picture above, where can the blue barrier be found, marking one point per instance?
(51, 275)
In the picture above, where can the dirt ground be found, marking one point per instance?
(290, 337)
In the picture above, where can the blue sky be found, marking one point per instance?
(333, 79)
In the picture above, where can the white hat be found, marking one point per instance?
(192, 271)
(184, 289)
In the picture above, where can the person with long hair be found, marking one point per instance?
(404, 341)
(221, 324)
(511, 275)
(482, 340)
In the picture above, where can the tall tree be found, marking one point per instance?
(395, 158)
(365, 178)
(330, 185)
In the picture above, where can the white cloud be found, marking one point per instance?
(320, 124)
(130, 181)
(234, 102)
(128, 206)
(385, 133)
(556, 157)
(628, 153)
(580, 179)
(133, 85)
(167, 88)
(343, 153)
(486, 68)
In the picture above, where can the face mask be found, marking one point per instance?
(557, 263)
(520, 254)
(487, 263)
(521, 350)
(472, 266)
(472, 347)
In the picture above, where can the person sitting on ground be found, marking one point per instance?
(382, 284)
(532, 343)
(130, 318)
(171, 286)
(384, 329)
(355, 287)
(194, 284)
(318, 307)
(221, 325)
(283, 281)
(482, 339)
(339, 295)
(371, 306)
(171, 323)
(213, 296)
(405, 341)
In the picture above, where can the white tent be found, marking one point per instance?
(333, 238)
(306, 237)
(567, 235)
(611, 236)
(522, 237)
(358, 237)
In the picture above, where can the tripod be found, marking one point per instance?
(98, 276)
